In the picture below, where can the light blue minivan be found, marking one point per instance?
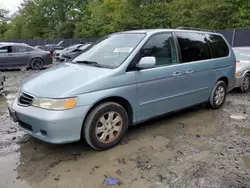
(124, 79)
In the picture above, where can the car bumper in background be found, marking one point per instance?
(55, 127)
(238, 81)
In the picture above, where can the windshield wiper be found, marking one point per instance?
(93, 63)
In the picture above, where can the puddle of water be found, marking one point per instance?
(3, 104)
(245, 130)
(238, 116)
(199, 144)
(8, 175)
(5, 101)
(90, 169)
(246, 160)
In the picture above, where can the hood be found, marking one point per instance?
(61, 81)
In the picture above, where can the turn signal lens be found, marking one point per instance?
(237, 74)
(70, 103)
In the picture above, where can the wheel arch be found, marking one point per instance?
(246, 72)
(120, 100)
(224, 79)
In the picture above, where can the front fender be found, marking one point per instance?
(127, 92)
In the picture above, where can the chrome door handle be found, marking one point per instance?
(177, 73)
(189, 71)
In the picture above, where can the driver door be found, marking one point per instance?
(160, 89)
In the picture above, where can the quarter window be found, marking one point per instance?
(193, 46)
(218, 46)
(161, 47)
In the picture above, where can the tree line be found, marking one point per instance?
(50, 19)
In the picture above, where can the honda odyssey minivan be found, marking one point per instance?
(123, 79)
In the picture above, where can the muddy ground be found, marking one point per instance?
(195, 148)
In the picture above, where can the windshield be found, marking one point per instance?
(112, 50)
(242, 55)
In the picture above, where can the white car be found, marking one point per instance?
(60, 54)
(242, 68)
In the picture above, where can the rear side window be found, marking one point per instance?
(18, 49)
(193, 46)
(218, 46)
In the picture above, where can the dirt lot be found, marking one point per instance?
(196, 148)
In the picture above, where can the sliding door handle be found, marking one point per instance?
(177, 73)
(189, 71)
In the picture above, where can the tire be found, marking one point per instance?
(37, 64)
(245, 85)
(220, 92)
(98, 129)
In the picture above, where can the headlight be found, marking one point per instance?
(55, 104)
(237, 74)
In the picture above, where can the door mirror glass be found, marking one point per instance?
(146, 63)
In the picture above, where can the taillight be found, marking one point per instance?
(235, 63)
(50, 54)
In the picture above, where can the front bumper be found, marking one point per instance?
(239, 81)
(56, 127)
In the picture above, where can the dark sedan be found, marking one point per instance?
(17, 55)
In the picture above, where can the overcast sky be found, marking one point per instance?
(11, 5)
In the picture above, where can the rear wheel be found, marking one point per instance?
(37, 64)
(245, 86)
(105, 126)
(218, 95)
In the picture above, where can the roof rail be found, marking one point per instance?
(197, 29)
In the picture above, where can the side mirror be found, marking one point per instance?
(146, 63)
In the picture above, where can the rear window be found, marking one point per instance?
(218, 46)
(193, 46)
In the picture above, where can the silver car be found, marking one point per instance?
(18, 55)
(242, 68)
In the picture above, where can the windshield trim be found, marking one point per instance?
(102, 38)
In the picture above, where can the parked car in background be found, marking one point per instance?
(18, 55)
(242, 68)
(124, 79)
(61, 55)
(52, 47)
(73, 54)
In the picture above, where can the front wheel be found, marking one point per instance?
(218, 95)
(105, 126)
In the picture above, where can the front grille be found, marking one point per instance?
(25, 125)
(25, 99)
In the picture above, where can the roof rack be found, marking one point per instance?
(197, 29)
